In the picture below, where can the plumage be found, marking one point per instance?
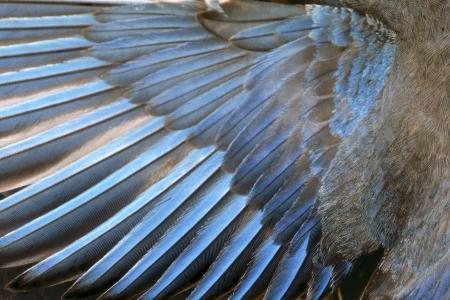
(155, 197)
(68, 180)
(52, 145)
(258, 274)
(201, 250)
(29, 54)
(206, 149)
(95, 205)
(30, 28)
(293, 270)
(227, 267)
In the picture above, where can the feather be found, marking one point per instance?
(31, 80)
(201, 250)
(226, 268)
(161, 254)
(260, 270)
(55, 143)
(319, 283)
(136, 69)
(59, 267)
(196, 86)
(22, 9)
(142, 26)
(126, 48)
(271, 180)
(272, 35)
(41, 27)
(162, 79)
(71, 180)
(48, 232)
(146, 9)
(198, 108)
(114, 264)
(205, 131)
(291, 273)
(29, 54)
(43, 108)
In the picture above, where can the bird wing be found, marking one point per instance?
(163, 144)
